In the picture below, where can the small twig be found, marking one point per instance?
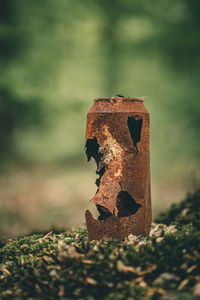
(46, 236)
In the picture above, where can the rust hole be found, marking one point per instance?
(100, 173)
(92, 150)
(135, 128)
(104, 213)
(126, 205)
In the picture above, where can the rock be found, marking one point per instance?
(166, 278)
(196, 289)
(169, 296)
(132, 238)
(157, 230)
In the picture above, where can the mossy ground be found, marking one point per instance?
(68, 266)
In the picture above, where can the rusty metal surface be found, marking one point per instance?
(117, 137)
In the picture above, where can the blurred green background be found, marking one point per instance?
(55, 58)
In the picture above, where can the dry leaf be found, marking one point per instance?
(38, 258)
(159, 239)
(47, 258)
(37, 287)
(91, 281)
(197, 278)
(22, 262)
(61, 291)
(73, 253)
(191, 269)
(183, 284)
(5, 270)
(88, 261)
(184, 212)
(54, 267)
(161, 291)
(122, 268)
(143, 284)
(139, 279)
(183, 266)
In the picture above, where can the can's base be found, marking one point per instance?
(113, 227)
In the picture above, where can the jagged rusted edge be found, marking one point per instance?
(117, 228)
(121, 98)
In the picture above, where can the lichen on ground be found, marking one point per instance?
(68, 266)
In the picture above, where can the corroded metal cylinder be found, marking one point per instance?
(117, 137)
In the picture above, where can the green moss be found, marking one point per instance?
(68, 266)
(185, 212)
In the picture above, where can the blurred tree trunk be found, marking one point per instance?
(110, 45)
(111, 59)
(14, 111)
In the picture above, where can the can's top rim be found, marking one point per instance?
(108, 99)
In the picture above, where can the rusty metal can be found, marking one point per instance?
(117, 137)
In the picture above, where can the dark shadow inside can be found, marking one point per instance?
(135, 128)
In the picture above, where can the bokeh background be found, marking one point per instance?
(55, 58)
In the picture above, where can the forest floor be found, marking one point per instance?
(68, 266)
(39, 198)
